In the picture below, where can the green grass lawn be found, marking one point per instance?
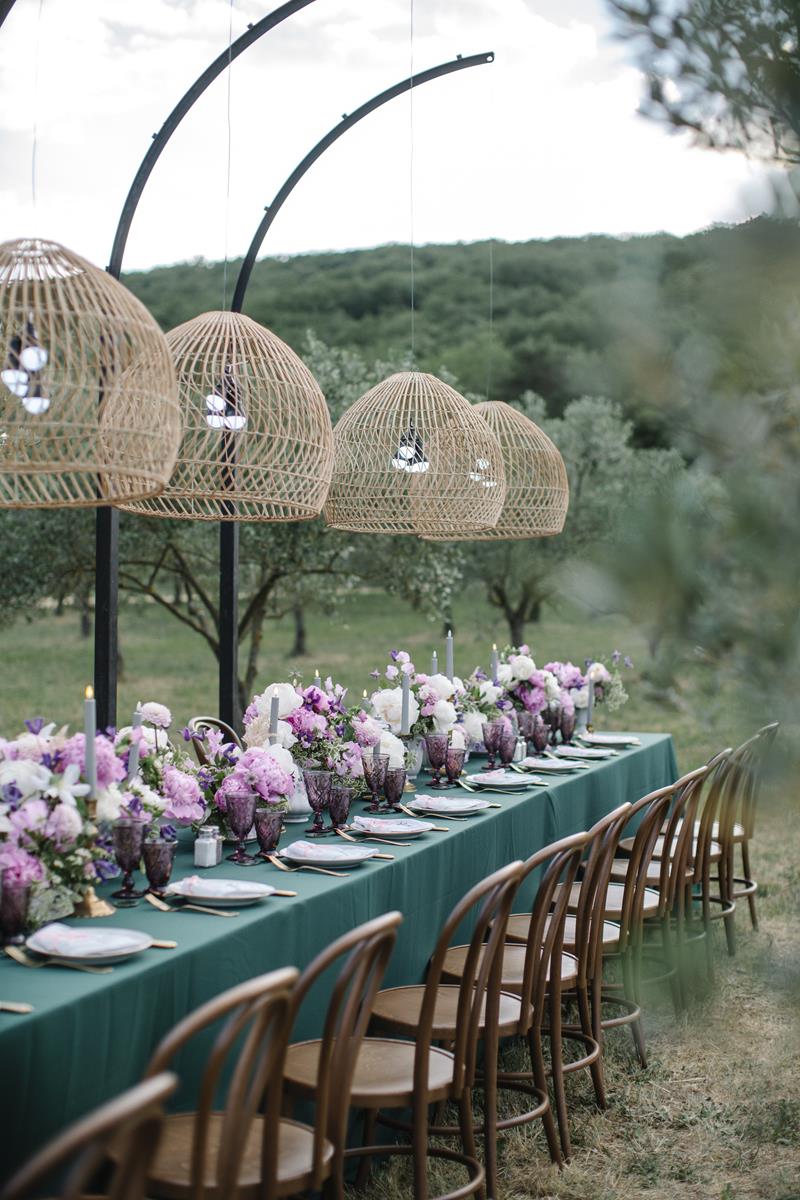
(46, 663)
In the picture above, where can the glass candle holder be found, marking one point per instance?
(393, 785)
(158, 855)
(240, 811)
(375, 768)
(507, 748)
(454, 763)
(269, 826)
(341, 799)
(436, 744)
(14, 900)
(492, 732)
(127, 834)
(318, 788)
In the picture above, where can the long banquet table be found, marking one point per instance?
(90, 1036)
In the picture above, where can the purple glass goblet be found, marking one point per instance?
(507, 748)
(540, 735)
(567, 725)
(14, 912)
(375, 768)
(492, 732)
(454, 763)
(526, 720)
(240, 812)
(341, 799)
(128, 835)
(555, 723)
(158, 855)
(269, 826)
(318, 788)
(436, 744)
(393, 785)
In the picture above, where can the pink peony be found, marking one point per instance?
(64, 826)
(30, 817)
(18, 866)
(183, 795)
(110, 768)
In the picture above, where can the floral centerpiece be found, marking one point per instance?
(529, 688)
(481, 701)
(164, 784)
(434, 700)
(47, 839)
(608, 686)
(267, 771)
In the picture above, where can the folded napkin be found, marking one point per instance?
(67, 941)
(309, 851)
(194, 885)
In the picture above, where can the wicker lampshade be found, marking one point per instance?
(537, 488)
(88, 398)
(257, 442)
(413, 456)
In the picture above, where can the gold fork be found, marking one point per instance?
(162, 906)
(417, 817)
(24, 960)
(276, 862)
(14, 1006)
(368, 838)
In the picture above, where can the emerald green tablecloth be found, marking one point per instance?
(91, 1036)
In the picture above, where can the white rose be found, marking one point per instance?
(392, 746)
(149, 739)
(473, 726)
(443, 686)
(552, 688)
(152, 800)
(284, 759)
(34, 745)
(490, 692)
(30, 777)
(388, 707)
(288, 699)
(580, 698)
(109, 803)
(458, 738)
(522, 666)
(598, 673)
(444, 716)
(257, 732)
(504, 675)
(285, 735)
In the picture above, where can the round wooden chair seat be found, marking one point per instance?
(399, 1009)
(384, 1075)
(615, 894)
(513, 966)
(619, 871)
(171, 1172)
(738, 833)
(658, 852)
(518, 925)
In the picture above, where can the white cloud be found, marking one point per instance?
(546, 141)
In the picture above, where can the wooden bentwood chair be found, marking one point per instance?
(751, 757)
(132, 1123)
(201, 725)
(412, 1074)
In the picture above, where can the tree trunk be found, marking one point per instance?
(516, 627)
(535, 611)
(300, 647)
(86, 617)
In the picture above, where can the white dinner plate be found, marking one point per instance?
(220, 893)
(503, 781)
(308, 854)
(444, 806)
(583, 752)
(545, 765)
(396, 828)
(609, 739)
(89, 944)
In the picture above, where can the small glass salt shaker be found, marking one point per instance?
(206, 847)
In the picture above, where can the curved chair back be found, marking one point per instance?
(548, 914)
(479, 987)
(716, 817)
(603, 843)
(652, 809)
(255, 1019)
(679, 842)
(752, 755)
(131, 1123)
(366, 951)
(201, 725)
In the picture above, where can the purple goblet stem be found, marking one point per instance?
(393, 785)
(318, 789)
(14, 912)
(128, 835)
(437, 744)
(454, 763)
(341, 799)
(507, 747)
(158, 859)
(269, 826)
(240, 810)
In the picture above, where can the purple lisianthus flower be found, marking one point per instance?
(628, 662)
(250, 713)
(169, 832)
(35, 725)
(11, 794)
(375, 674)
(615, 657)
(394, 655)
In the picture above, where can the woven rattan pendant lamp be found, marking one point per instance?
(537, 488)
(413, 456)
(257, 442)
(88, 398)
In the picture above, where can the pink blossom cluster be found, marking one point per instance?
(18, 866)
(567, 674)
(110, 767)
(184, 798)
(256, 770)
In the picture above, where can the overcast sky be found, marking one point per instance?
(544, 142)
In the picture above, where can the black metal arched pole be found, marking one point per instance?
(229, 706)
(107, 518)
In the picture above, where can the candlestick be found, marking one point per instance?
(434, 663)
(317, 678)
(273, 716)
(404, 709)
(376, 750)
(365, 704)
(448, 655)
(590, 705)
(90, 732)
(495, 663)
(133, 754)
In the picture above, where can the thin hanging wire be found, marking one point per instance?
(411, 169)
(228, 168)
(490, 349)
(35, 130)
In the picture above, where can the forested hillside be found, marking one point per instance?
(658, 323)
